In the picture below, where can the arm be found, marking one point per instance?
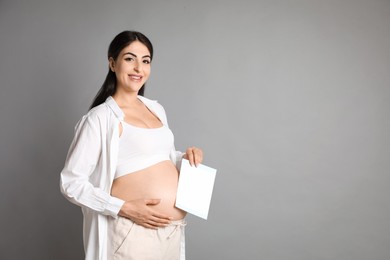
(82, 159)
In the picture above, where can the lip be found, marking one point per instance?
(135, 77)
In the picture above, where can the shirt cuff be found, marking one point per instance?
(114, 206)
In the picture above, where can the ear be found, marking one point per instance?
(111, 63)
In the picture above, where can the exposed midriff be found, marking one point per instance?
(158, 181)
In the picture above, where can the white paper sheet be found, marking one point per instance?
(195, 188)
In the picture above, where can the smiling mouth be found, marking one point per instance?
(135, 77)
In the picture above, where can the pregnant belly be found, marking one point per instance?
(158, 181)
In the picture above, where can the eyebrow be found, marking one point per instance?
(146, 56)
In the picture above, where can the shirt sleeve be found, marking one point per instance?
(82, 159)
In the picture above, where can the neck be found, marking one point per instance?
(124, 99)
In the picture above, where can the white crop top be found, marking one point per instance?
(140, 148)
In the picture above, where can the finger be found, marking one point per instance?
(147, 225)
(161, 218)
(197, 154)
(198, 157)
(201, 157)
(159, 223)
(191, 156)
(188, 156)
(152, 222)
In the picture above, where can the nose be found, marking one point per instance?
(137, 66)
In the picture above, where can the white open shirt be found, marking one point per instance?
(90, 168)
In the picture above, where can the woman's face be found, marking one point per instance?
(132, 67)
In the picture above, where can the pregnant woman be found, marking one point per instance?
(122, 166)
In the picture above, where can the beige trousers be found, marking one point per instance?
(129, 241)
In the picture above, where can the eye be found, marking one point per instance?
(129, 59)
(146, 61)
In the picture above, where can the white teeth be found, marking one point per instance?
(136, 77)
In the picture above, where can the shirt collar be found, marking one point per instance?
(111, 103)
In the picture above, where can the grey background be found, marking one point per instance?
(288, 99)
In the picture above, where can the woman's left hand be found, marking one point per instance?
(194, 155)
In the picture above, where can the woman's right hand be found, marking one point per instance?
(141, 213)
